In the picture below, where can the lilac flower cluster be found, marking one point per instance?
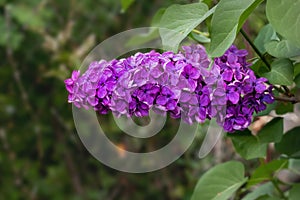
(239, 89)
(179, 84)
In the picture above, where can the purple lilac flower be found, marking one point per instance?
(245, 94)
(179, 84)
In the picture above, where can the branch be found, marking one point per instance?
(255, 48)
(293, 100)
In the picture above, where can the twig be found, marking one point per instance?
(287, 91)
(279, 89)
(255, 48)
(292, 99)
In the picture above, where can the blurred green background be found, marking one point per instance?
(41, 156)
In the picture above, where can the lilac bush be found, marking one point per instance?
(183, 85)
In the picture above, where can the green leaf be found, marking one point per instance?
(267, 197)
(265, 35)
(265, 172)
(282, 72)
(284, 16)
(272, 132)
(296, 69)
(220, 182)
(200, 38)
(225, 23)
(157, 17)
(126, 4)
(262, 190)
(259, 67)
(290, 143)
(294, 165)
(297, 81)
(248, 145)
(294, 193)
(247, 12)
(284, 107)
(179, 20)
(282, 49)
(26, 16)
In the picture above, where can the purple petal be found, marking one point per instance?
(234, 97)
(101, 92)
(171, 105)
(260, 87)
(75, 74)
(227, 75)
(204, 100)
(161, 100)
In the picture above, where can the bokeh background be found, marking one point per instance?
(41, 156)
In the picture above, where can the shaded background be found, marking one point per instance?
(41, 156)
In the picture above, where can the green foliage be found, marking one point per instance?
(289, 144)
(284, 107)
(220, 182)
(265, 35)
(294, 165)
(126, 4)
(225, 24)
(267, 172)
(11, 37)
(296, 69)
(294, 193)
(247, 12)
(284, 15)
(248, 145)
(266, 189)
(282, 49)
(179, 20)
(282, 72)
(297, 81)
(272, 132)
(259, 67)
(26, 16)
(200, 38)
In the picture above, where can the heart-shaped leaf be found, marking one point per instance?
(282, 72)
(284, 16)
(226, 22)
(179, 20)
(220, 182)
(282, 49)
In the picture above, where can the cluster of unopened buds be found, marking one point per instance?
(186, 85)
